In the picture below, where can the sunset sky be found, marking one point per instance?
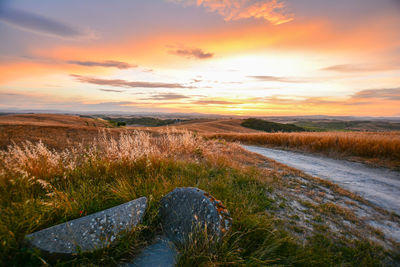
(231, 57)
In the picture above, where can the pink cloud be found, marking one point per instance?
(273, 11)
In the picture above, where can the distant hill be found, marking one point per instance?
(205, 126)
(53, 120)
(141, 121)
(338, 125)
(268, 126)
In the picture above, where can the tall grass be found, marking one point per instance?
(40, 187)
(369, 145)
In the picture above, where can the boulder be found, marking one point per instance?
(186, 210)
(88, 233)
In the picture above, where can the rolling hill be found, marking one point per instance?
(203, 126)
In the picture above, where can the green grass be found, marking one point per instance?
(38, 189)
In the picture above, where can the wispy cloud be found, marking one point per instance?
(111, 90)
(106, 63)
(40, 24)
(277, 79)
(213, 102)
(53, 102)
(86, 63)
(384, 94)
(166, 96)
(354, 68)
(192, 53)
(273, 11)
(128, 84)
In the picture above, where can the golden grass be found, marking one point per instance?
(40, 187)
(56, 131)
(375, 147)
(52, 120)
(64, 131)
(204, 126)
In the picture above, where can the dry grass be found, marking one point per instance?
(75, 170)
(204, 126)
(63, 131)
(56, 131)
(40, 187)
(380, 148)
(51, 120)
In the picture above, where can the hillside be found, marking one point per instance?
(141, 121)
(203, 126)
(57, 131)
(52, 120)
(61, 131)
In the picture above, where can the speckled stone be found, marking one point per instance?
(91, 232)
(186, 210)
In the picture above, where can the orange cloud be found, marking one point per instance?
(272, 10)
(192, 53)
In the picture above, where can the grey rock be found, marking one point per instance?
(186, 210)
(162, 253)
(95, 231)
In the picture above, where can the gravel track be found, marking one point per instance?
(380, 186)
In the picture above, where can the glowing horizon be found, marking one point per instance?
(235, 57)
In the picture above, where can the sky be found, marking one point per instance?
(229, 57)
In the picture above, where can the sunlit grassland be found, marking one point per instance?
(378, 148)
(40, 187)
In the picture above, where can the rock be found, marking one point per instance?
(186, 210)
(162, 253)
(89, 233)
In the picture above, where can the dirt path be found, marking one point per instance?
(377, 185)
(310, 205)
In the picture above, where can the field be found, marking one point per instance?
(376, 148)
(83, 168)
(56, 131)
(204, 126)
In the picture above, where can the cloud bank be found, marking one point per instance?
(273, 11)
(384, 94)
(127, 84)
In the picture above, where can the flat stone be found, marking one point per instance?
(88, 233)
(162, 253)
(187, 210)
